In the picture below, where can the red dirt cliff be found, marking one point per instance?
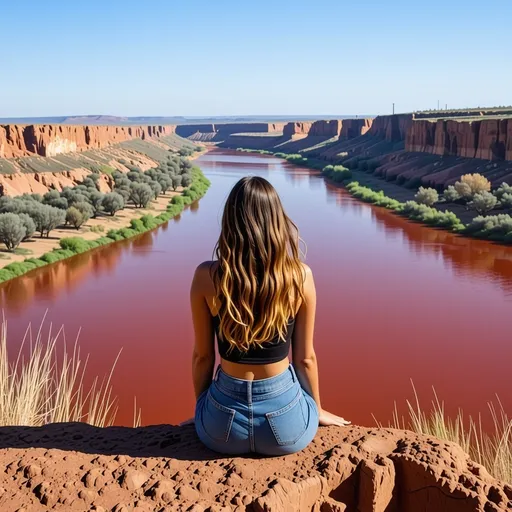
(51, 140)
(488, 139)
(78, 467)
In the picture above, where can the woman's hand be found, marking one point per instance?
(326, 418)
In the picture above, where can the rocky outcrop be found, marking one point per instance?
(79, 467)
(217, 132)
(352, 128)
(291, 129)
(328, 129)
(488, 139)
(393, 128)
(40, 182)
(51, 140)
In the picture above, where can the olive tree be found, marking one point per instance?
(74, 217)
(140, 194)
(484, 202)
(112, 203)
(12, 230)
(96, 201)
(29, 224)
(156, 188)
(46, 218)
(85, 209)
(176, 181)
(186, 180)
(165, 182)
(428, 196)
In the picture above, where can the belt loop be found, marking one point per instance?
(294, 375)
(216, 376)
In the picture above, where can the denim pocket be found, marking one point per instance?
(289, 423)
(216, 418)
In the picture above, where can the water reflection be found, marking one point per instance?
(395, 300)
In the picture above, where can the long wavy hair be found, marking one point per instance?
(259, 277)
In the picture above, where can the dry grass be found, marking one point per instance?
(39, 387)
(491, 450)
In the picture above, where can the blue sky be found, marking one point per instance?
(227, 57)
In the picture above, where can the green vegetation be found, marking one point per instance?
(427, 196)
(337, 173)
(76, 245)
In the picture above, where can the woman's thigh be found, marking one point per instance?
(221, 422)
(286, 423)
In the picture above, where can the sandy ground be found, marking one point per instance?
(38, 246)
(70, 467)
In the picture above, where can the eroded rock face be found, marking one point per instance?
(51, 140)
(392, 128)
(291, 129)
(488, 139)
(79, 467)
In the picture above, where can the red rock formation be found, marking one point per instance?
(488, 139)
(291, 129)
(329, 129)
(50, 140)
(79, 467)
(352, 128)
(392, 128)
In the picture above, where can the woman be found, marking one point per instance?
(258, 299)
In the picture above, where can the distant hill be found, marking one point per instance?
(162, 120)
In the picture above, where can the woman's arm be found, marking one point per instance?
(303, 352)
(203, 357)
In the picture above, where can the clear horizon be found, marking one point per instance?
(125, 59)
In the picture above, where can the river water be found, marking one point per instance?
(396, 301)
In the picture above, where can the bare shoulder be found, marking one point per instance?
(203, 275)
(308, 273)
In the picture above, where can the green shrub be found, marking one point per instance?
(114, 235)
(127, 232)
(483, 202)
(137, 225)
(5, 275)
(450, 195)
(503, 189)
(428, 196)
(36, 261)
(499, 227)
(148, 221)
(75, 244)
(19, 268)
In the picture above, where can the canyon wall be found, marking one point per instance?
(393, 128)
(51, 140)
(223, 130)
(488, 139)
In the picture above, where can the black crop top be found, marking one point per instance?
(271, 351)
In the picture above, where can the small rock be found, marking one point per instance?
(31, 471)
(187, 493)
(87, 495)
(133, 480)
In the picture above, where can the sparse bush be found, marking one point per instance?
(450, 195)
(427, 196)
(337, 173)
(471, 184)
(506, 200)
(12, 230)
(137, 225)
(112, 203)
(484, 202)
(494, 227)
(75, 245)
(503, 189)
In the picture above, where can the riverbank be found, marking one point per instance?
(456, 218)
(62, 246)
(79, 467)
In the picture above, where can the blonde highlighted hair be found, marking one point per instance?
(259, 277)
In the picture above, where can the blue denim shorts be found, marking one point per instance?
(272, 416)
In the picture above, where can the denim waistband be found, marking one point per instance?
(260, 389)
